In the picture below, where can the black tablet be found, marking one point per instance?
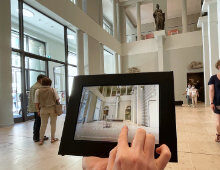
(100, 105)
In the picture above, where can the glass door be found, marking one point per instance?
(33, 68)
(57, 75)
(16, 85)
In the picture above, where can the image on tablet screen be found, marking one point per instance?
(104, 110)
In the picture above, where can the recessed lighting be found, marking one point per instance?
(27, 13)
(71, 37)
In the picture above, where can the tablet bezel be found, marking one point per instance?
(167, 120)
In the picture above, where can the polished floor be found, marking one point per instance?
(196, 146)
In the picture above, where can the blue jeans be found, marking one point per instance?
(189, 100)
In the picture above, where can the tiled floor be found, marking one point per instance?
(196, 146)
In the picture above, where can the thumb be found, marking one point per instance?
(164, 157)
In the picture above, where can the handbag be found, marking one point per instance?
(58, 106)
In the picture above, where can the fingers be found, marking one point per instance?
(111, 160)
(92, 162)
(123, 137)
(164, 157)
(139, 139)
(149, 145)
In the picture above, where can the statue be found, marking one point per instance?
(195, 65)
(159, 17)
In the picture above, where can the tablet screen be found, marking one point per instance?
(104, 110)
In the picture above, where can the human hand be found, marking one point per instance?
(140, 155)
(94, 163)
(212, 106)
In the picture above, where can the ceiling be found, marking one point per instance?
(174, 9)
(40, 24)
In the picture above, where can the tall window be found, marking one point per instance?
(107, 26)
(72, 59)
(42, 48)
(109, 61)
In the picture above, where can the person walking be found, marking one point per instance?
(187, 93)
(214, 96)
(194, 95)
(45, 101)
(32, 109)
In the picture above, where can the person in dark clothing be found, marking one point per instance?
(214, 96)
(32, 109)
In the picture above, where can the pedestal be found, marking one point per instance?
(159, 36)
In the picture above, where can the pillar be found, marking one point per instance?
(80, 46)
(138, 10)
(117, 107)
(210, 6)
(184, 16)
(203, 23)
(115, 32)
(80, 53)
(160, 35)
(122, 24)
(139, 105)
(114, 19)
(6, 115)
(101, 59)
(93, 50)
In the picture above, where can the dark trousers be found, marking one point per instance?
(36, 128)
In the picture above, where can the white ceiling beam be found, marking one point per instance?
(130, 20)
(133, 2)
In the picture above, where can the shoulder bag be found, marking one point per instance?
(58, 106)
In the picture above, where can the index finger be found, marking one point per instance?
(123, 137)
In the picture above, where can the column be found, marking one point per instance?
(134, 104)
(101, 68)
(93, 50)
(121, 32)
(80, 53)
(184, 16)
(116, 107)
(114, 19)
(115, 33)
(139, 105)
(203, 23)
(80, 46)
(210, 6)
(138, 10)
(6, 115)
(160, 35)
(122, 24)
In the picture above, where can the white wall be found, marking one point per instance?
(178, 61)
(146, 62)
(185, 40)
(180, 51)
(139, 47)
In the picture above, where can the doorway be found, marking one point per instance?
(197, 79)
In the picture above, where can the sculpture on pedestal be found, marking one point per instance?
(159, 18)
